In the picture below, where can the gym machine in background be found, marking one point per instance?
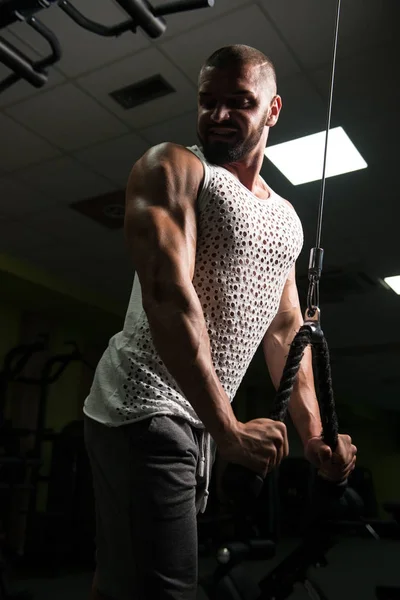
(16, 469)
(141, 14)
(22, 457)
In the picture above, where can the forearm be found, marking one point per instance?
(180, 336)
(303, 406)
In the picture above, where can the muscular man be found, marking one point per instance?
(214, 250)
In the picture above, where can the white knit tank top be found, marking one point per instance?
(245, 250)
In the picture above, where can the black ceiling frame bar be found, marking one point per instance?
(141, 14)
(34, 72)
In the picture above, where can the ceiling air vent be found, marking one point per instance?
(142, 92)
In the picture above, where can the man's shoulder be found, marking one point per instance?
(289, 204)
(284, 201)
(172, 154)
(171, 150)
(167, 164)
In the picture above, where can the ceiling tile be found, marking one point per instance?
(23, 148)
(67, 117)
(65, 180)
(78, 247)
(353, 99)
(246, 26)
(308, 26)
(293, 18)
(180, 130)
(19, 239)
(181, 22)
(22, 89)
(303, 110)
(18, 200)
(62, 256)
(126, 72)
(114, 159)
(87, 235)
(85, 253)
(82, 49)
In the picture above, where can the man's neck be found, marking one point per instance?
(248, 169)
(248, 173)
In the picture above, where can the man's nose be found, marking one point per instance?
(220, 113)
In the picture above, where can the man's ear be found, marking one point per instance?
(275, 108)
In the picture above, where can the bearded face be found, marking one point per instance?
(232, 113)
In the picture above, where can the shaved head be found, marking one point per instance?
(237, 103)
(239, 55)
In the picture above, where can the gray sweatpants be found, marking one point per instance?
(149, 483)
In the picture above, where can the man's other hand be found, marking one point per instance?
(334, 466)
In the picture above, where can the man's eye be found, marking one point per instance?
(240, 103)
(207, 103)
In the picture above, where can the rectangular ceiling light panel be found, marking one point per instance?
(301, 160)
(394, 283)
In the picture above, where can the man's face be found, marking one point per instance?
(233, 109)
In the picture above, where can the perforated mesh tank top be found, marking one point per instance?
(245, 250)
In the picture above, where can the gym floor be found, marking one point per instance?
(355, 567)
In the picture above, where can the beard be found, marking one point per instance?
(227, 152)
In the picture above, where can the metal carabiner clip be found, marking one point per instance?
(312, 322)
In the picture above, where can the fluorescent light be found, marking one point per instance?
(301, 160)
(394, 283)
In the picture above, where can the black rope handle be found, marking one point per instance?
(243, 485)
(296, 353)
(330, 426)
(310, 334)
